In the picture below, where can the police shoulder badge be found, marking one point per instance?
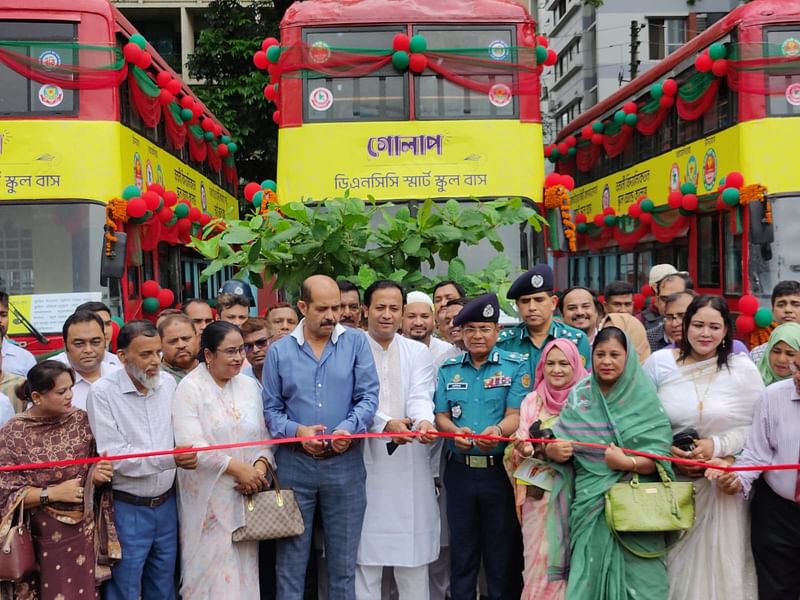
(526, 381)
(455, 411)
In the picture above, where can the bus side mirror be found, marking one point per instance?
(761, 232)
(112, 266)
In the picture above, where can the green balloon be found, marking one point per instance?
(150, 305)
(273, 54)
(717, 50)
(763, 317)
(419, 44)
(182, 210)
(722, 182)
(208, 135)
(225, 139)
(647, 205)
(610, 220)
(730, 196)
(581, 227)
(186, 114)
(119, 321)
(541, 54)
(400, 60)
(572, 152)
(258, 198)
(555, 154)
(598, 127)
(631, 120)
(619, 117)
(138, 39)
(657, 90)
(232, 147)
(131, 192)
(688, 188)
(269, 185)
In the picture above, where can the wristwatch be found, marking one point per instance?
(44, 498)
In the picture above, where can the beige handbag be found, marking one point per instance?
(270, 514)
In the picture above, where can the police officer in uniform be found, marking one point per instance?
(536, 302)
(480, 392)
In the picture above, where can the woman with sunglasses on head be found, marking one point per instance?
(216, 404)
(710, 395)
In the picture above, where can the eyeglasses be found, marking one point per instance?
(231, 352)
(485, 330)
(674, 317)
(260, 344)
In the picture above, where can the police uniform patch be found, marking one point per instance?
(526, 380)
(455, 411)
(456, 383)
(488, 311)
(537, 281)
(497, 380)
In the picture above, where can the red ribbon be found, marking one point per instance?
(412, 434)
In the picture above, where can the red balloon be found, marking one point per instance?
(598, 220)
(745, 324)
(150, 288)
(184, 226)
(552, 179)
(670, 87)
(250, 189)
(568, 182)
(222, 150)
(156, 187)
(205, 219)
(608, 210)
(552, 57)
(646, 218)
(597, 139)
(417, 63)
(734, 180)
(630, 108)
(580, 218)
(197, 110)
(634, 211)
(703, 63)
(151, 200)
(131, 52)
(165, 215)
(217, 130)
(269, 92)
(586, 132)
(144, 60)
(194, 214)
(401, 42)
(174, 87)
(720, 67)
(207, 125)
(646, 290)
(638, 302)
(571, 141)
(666, 101)
(548, 150)
(164, 97)
(690, 202)
(675, 199)
(563, 148)
(163, 78)
(260, 60)
(268, 42)
(187, 102)
(276, 117)
(748, 305)
(170, 198)
(136, 207)
(166, 297)
(541, 41)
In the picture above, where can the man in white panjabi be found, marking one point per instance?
(401, 524)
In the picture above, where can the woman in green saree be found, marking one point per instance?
(616, 405)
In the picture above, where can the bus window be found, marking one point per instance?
(594, 283)
(732, 250)
(783, 78)
(379, 96)
(610, 268)
(644, 264)
(708, 260)
(23, 95)
(627, 267)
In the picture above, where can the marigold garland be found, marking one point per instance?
(759, 336)
(557, 196)
(756, 192)
(116, 211)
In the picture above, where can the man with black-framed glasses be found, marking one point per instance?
(257, 338)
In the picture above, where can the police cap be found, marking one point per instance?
(483, 309)
(538, 279)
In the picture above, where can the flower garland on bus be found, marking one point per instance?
(556, 197)
(465, 67)
(692, 97)
(116, 212)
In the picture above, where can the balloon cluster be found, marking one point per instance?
(544, 54)
(665, 92)
(161, 204)
(642, 209)
(751, 315)
(267, 59)
(626, 116)
(684, 199)
(730, 190)
(255, 192)
(407, 53)
(135, 51)
(562, 150)
(713, 59)
(555, 179)
(608, 218)
(156, 297)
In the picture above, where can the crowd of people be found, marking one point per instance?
(412, 515)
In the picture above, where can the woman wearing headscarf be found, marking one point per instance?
(559, 369)
(784, 343)
(616, 406)
(633, 328)
(709, 394)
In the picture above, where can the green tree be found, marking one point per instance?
(346, 237)
(232, 87)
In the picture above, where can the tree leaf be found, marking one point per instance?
(456, 269)
(239, 235)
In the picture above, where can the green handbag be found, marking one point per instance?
(649, 507)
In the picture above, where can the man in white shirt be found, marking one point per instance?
(419, 323)
(17, 360)
(130, 411)
(85, 343)
(401, 523)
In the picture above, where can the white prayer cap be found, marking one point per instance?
(414, 297)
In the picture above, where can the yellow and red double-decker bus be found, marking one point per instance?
(87, 109)
(651, 163)
(402, 101)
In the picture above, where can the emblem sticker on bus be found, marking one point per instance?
(709, 169)
(50, 59)
(498, 50)
(500, 95)
(320, 99)
(50, 95)
(790, 47)
(319, 52)
(793, 94)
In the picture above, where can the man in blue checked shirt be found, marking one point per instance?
(319, 379)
